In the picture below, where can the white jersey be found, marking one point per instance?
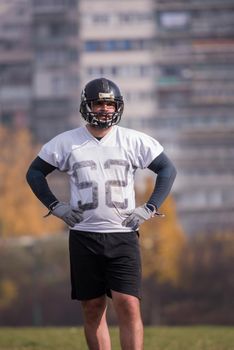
(101, 172)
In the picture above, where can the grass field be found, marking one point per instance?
(156, 338)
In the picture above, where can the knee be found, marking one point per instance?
(94, 309)
(127, 306)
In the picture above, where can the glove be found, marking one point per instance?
(139, 215)
(69, 215)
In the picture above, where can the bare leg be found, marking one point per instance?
(130, 324)
(95, 325)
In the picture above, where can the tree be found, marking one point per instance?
(8, 293)
(20, 212)
(205, 292)
(162, 240)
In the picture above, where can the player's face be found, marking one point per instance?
(104, 109)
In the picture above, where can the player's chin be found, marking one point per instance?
(104, 123)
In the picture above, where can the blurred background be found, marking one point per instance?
(174, 62)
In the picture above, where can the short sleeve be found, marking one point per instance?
(54, 152)
(146, 150)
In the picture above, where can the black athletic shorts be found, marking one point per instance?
(101, 262)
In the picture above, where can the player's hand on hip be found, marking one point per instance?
(69, 215)
(140, 214)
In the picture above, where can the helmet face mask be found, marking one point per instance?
(99, 91)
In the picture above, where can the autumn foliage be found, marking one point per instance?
(20, 212)
(162, 240)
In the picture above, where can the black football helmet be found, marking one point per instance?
(101, 89)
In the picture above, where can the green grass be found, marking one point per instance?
(156, 338)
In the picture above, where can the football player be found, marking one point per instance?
(101, 159)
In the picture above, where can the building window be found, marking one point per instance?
(173, 20)
(118, 45)
(116, 19)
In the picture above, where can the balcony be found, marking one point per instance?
(193, 4)
(16, 56)
(53, 7)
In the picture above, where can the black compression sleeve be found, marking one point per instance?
(36, 178)
(166, 174)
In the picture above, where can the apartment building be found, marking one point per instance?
(39, 65)
(194, 54)
(55, 44)
(16, 63)
(173, 61)
(117, 41)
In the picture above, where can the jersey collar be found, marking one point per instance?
(104, 138)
